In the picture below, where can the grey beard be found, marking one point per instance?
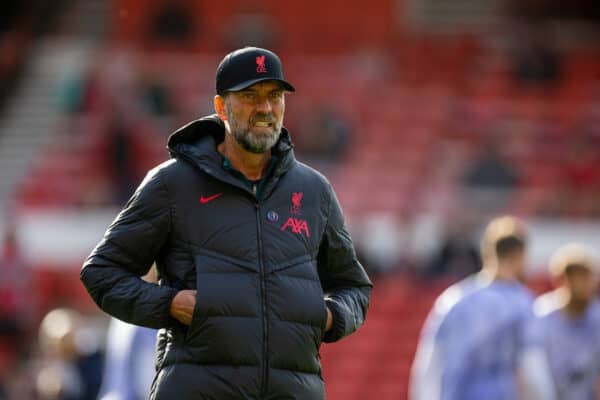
(255, 144)
(252, 143)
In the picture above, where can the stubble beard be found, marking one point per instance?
(242, 133)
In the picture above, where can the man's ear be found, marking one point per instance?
(219, 104)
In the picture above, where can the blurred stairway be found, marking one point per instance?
(31, 116)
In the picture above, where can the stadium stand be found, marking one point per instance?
(421, 106)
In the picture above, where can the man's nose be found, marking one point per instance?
(264, 105)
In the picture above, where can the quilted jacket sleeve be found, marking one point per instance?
(112, 272)
(345, 283)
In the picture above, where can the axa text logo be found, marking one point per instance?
(298, 226)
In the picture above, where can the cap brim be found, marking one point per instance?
(243, 85)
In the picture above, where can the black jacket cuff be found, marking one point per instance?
(338, 328)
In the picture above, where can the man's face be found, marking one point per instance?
(255, 115)
(582, 282)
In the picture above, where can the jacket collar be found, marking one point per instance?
(197, 143)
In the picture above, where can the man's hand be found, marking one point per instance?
(182, 306)
(329, 323)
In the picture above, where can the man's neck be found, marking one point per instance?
(252, 165)
(499, 273)
(574, 308)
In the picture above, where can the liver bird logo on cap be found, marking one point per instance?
(260, 64)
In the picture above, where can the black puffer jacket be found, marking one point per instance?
(264, 270)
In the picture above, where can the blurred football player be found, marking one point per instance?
(564, 339)
(471, 342)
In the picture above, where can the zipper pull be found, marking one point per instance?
(254, 188)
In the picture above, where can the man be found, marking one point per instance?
(256, 265)
(563, 339)
(129, 362)
(471, 340)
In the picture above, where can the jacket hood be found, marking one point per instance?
(210, 125)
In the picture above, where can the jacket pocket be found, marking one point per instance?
(324, 320)
(296, 295)
(297, 315)
(198, 317)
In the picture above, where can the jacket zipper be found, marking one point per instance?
(263, 284)
(263, 298)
